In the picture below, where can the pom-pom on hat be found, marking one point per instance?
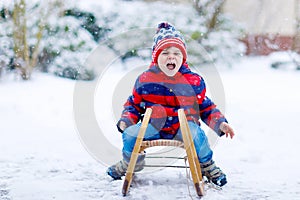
(167, 36)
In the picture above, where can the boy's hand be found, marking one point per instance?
(225, 128)
(122, 125)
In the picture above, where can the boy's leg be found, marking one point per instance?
(204, 153)
(129, 137)
(202, 146)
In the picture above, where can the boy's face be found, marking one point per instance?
(169, 60)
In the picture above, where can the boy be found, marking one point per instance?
(167, 86)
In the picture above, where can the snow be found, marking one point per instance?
(43, 157)
(43, 154)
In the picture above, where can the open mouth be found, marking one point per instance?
(171, 66)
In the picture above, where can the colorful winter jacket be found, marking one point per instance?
(165, 95)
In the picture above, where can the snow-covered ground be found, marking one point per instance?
(42, 157)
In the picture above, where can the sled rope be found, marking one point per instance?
(188, 176)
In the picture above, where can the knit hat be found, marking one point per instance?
(167, 36)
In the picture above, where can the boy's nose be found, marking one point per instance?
(171, 57)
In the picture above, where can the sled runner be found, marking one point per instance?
(187, 144)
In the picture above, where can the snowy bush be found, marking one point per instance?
(69, 34)
(286, 60)
(222, 43)
(6, 43)
(6, 54)
(69, 44)
(64, 45)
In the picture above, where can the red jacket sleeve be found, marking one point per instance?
(209, 113)
(133, 107)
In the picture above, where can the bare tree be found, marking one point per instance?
(211, 9)
(20, 39)
(26, 56)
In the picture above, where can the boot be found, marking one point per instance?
(119, 169)
(213, 173)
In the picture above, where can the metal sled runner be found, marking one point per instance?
(187, 144)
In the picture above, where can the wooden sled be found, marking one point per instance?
(187, 144)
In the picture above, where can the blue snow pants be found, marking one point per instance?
(202, 147)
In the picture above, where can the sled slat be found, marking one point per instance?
(136, 150)
(191, 153)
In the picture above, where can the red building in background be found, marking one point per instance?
(270, 24)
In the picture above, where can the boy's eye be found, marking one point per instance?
(170, 53)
